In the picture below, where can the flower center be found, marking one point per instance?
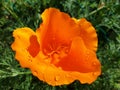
(57, 54)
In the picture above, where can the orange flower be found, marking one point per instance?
(62, 49)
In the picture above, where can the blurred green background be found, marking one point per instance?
(103, 14)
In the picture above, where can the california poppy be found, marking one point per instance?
(62, 49)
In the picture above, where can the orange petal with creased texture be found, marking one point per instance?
(80, 58)
(87, 33)
(57, 76)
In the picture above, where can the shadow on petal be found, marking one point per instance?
(34, 47)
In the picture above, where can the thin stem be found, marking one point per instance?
(15, 74)
(86, 8)
(24, 73)
(95, 11)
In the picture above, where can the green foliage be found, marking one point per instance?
(105, 16)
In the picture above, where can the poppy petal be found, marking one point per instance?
(57, 28)
(80, 58)
(24, 46)
(87, 33)
(50, 74)
(57, 76)
(89, 77)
